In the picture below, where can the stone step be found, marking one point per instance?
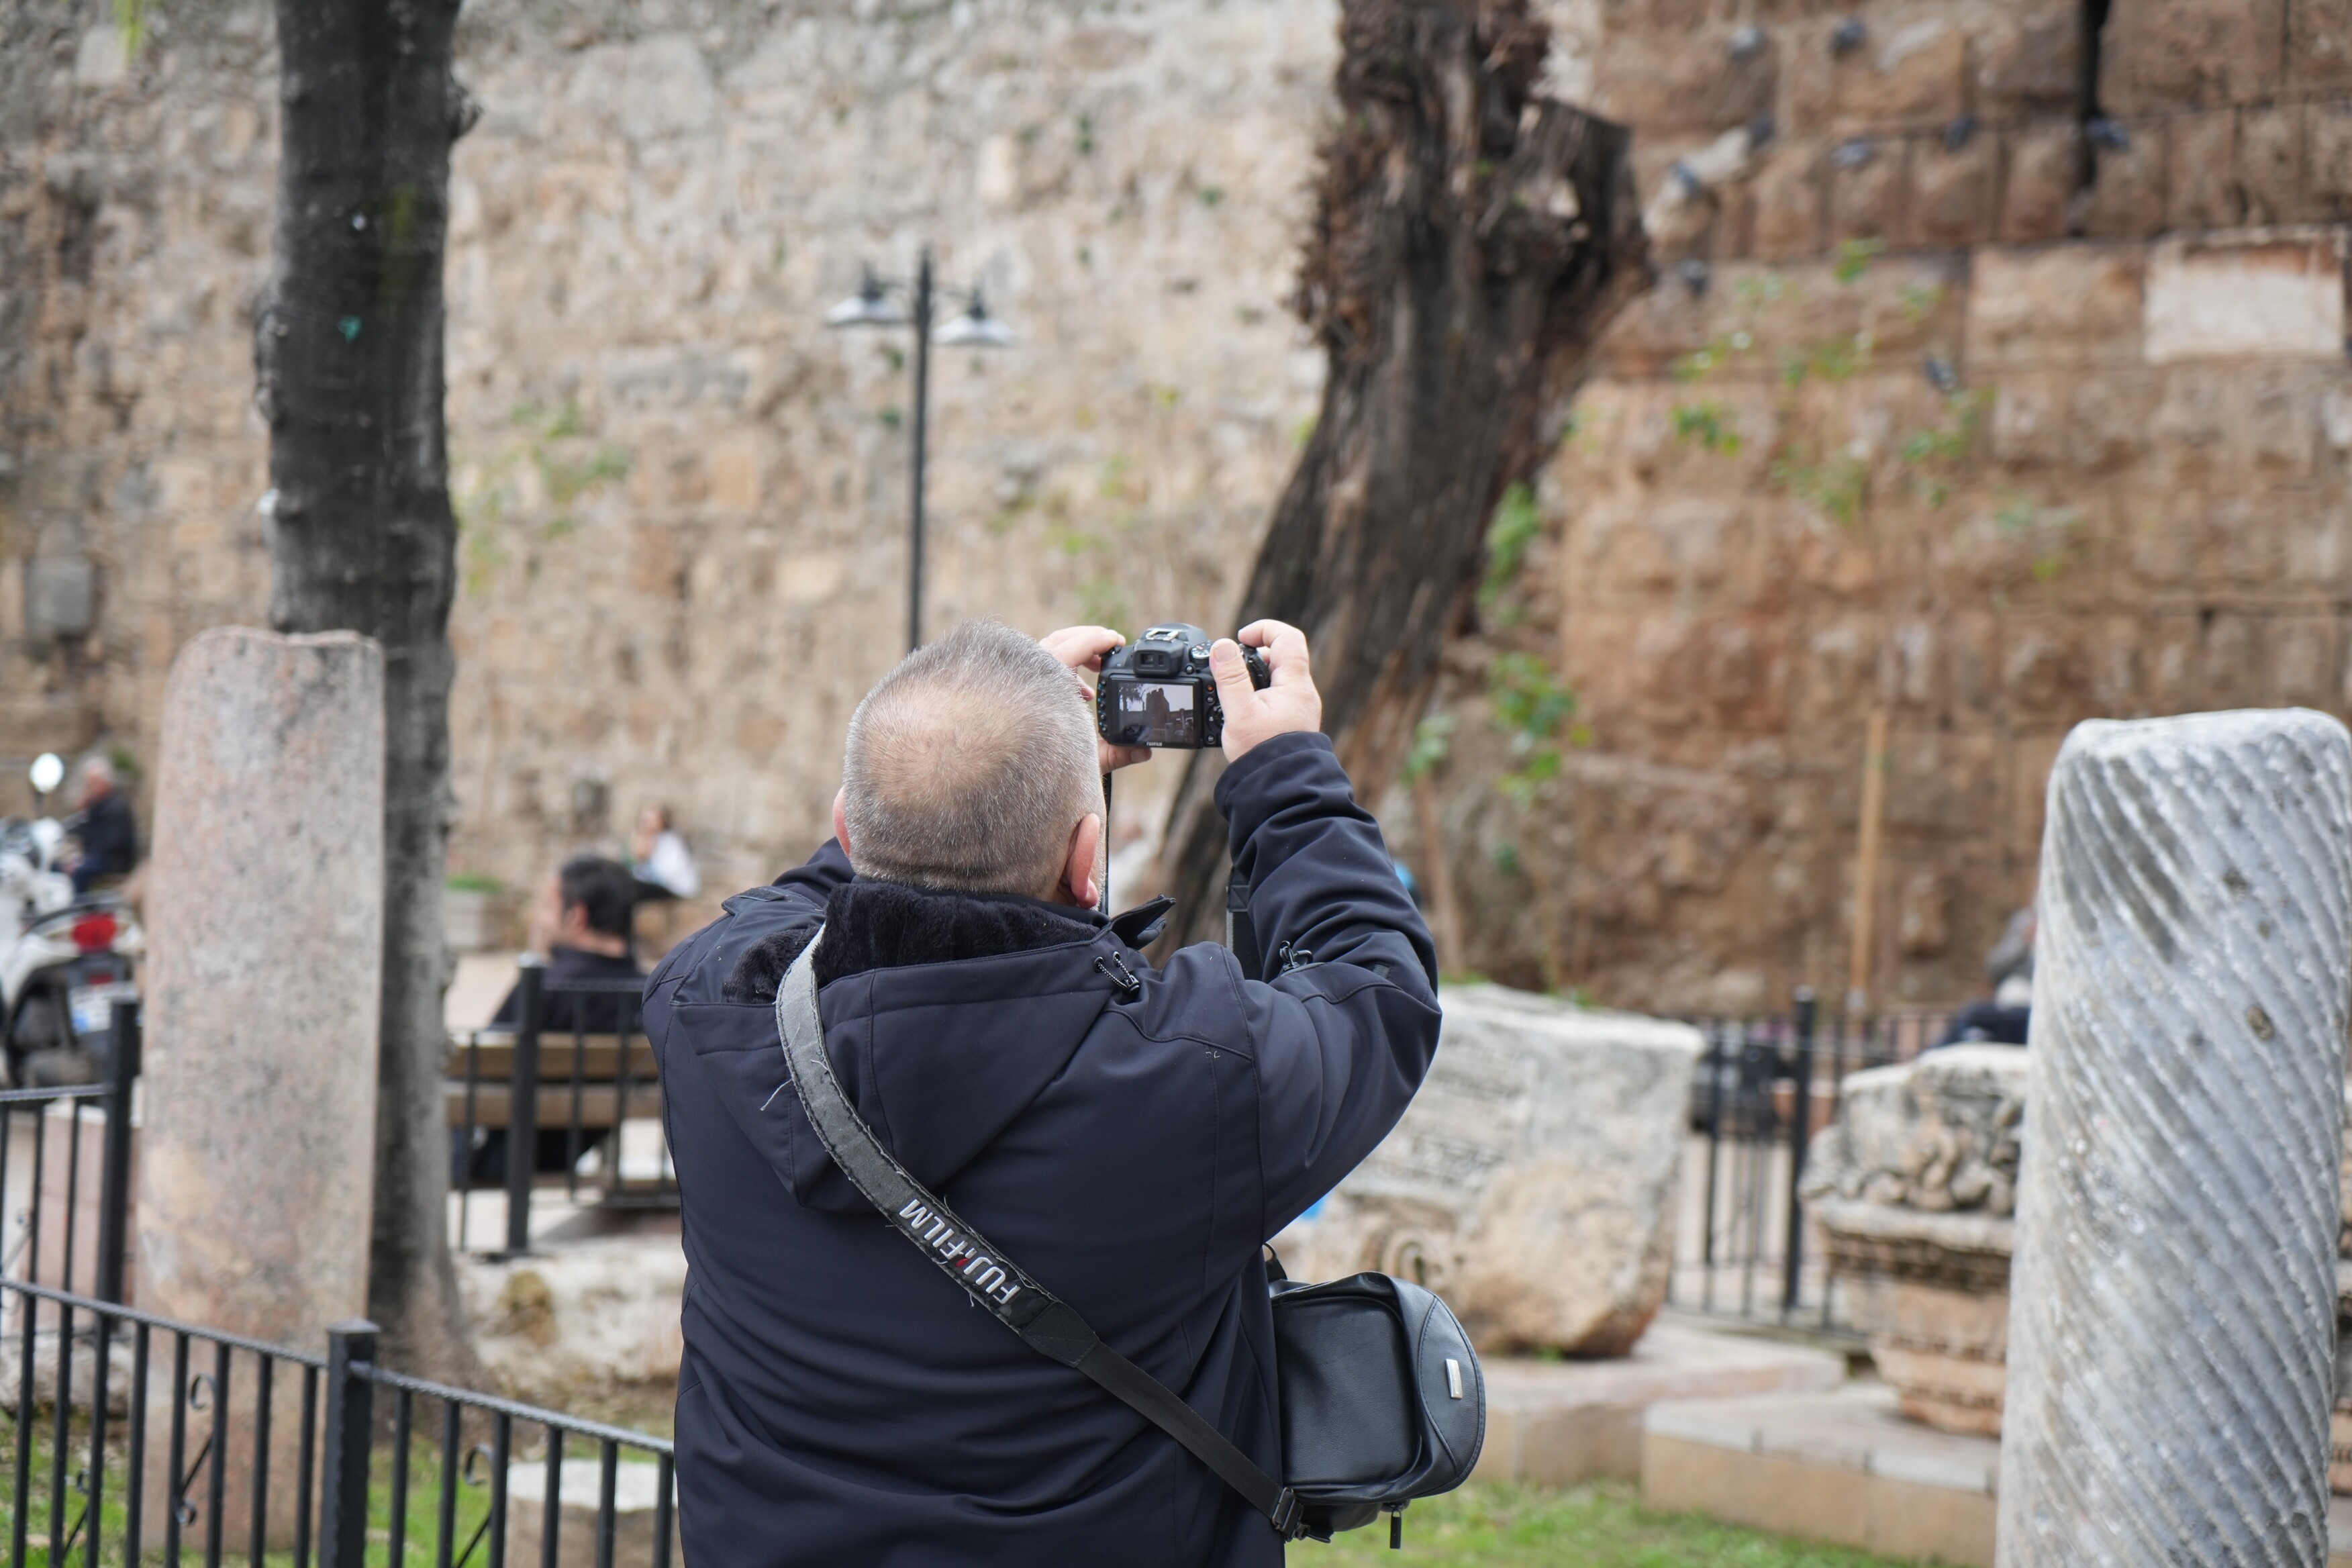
(1844, 1467)
(1558, 1422)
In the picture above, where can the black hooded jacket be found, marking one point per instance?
(1131, 1141)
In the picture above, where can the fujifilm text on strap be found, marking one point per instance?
(982, 1276)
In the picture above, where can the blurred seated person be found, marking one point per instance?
(2002, 1018)
(103, 827)
(663, 864)
(579, 920)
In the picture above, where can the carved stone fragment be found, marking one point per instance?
(1533, 1181)
(1912, 1188)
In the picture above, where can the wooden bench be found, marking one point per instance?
(483, 1068)
(619, 1120)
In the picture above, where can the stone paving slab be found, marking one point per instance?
(1844, 1466)
(1561, 1421)
(1847, 1466)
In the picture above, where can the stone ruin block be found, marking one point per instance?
(637, 1494)
(1697, 80)
(1914, 1188)
(2038, 180)
(2157, 56)
(2319, 61)
(2127, 195)
(1533, 1182)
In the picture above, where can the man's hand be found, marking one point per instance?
(1081, 647)
(1289, 706)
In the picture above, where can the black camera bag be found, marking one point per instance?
(1382, 1396)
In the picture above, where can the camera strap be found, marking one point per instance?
(1045, 1323)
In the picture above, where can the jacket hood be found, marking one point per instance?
(945, 1016)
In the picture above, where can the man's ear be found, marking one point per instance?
(1078, 885)
(840, 820)
(571, 920)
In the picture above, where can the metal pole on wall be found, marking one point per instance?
(2172, 1301)
(922, 429)
(1865, 865)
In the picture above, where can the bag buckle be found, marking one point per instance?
(1290, 1516)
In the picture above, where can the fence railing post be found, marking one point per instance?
(1800, 1126)
(522, 1102)
(114, 1173)
(343, 1474)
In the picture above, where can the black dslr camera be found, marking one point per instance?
(1158, 691)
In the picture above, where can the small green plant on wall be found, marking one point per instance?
(1527, 703)
(1840, 482)
(554, 447)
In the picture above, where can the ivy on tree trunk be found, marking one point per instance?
(347, 356)
(1472, 238)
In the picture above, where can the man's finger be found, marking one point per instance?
(1235, 688)
(1284, 645)
(1082, 646)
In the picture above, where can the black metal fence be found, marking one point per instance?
(568, 1097)
(1765, 1086)
(132, 1438)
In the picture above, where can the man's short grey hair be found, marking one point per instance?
(968, 764)
(98, 766)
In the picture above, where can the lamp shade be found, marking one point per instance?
(871, 306)
(974, 329)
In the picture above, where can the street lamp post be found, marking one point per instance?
(875, 305)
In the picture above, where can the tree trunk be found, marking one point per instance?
(1471, 241)
(347, 354)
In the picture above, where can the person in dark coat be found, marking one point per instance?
(1130, 1135)
(583, 924)
(104, 828)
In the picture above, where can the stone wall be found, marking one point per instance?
(684, 500)
(1961, 397)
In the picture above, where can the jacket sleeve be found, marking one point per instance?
(1343, 1036)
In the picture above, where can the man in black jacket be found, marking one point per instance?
(1130, 1136)
(104, 828)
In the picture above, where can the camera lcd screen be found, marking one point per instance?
(1157, 713)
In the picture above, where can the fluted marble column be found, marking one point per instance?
(2173, 1297)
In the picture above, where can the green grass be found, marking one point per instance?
(423, 1506)
(1481, 1526)
(1599, 1526)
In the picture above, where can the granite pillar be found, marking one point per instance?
(265, 915)
(2173, 1294)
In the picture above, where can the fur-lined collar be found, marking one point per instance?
(887, 925)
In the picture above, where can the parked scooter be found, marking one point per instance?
(64, 959)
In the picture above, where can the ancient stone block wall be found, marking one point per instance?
(1972, 391)
(684, 500)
